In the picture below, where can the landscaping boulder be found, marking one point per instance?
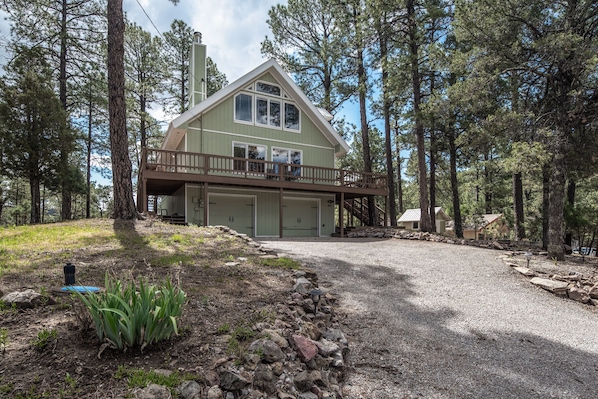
(306, 348)
(268, 349)
(153, 391)
(264, 379)
(579, 294)
(234, 381)
(23, 299)
(557, 287)
(594, 291)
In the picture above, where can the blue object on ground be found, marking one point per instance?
(80, 288)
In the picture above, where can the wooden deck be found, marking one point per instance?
(163, 172)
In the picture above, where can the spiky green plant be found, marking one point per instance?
(126, 316)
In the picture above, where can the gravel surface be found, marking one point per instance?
(430, 320)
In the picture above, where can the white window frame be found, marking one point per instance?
(268, 112)
(289, 163)
(248, 160)
(252, 102)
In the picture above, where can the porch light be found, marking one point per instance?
(528, 255)
(315, 295)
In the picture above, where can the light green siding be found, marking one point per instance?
(304, 214)
(215, 131)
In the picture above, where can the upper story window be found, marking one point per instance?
(267, 88)
(244, 108)
(267, 106)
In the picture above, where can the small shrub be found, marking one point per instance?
(129, 316)
(223, 329)
(44, 339)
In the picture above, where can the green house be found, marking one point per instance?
(256, 156)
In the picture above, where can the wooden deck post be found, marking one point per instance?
(341, 215)
(280, 213)
(205, 204)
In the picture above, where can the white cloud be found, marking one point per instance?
(231, 29)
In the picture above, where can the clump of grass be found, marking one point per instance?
(139, 378)
(223, 329)
(283, 263)
(44, 339)
(3, 339)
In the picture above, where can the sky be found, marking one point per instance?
(232, 30)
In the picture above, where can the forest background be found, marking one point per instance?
(476, 106)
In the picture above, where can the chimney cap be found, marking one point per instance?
(197, 37)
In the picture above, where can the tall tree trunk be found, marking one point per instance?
(88, 145)
(365, 132)
(518, 206)
(399, 173)
(386, 111)
(545, 204)
(558, 179)
(458, 223)
(424, 203)
(433, 162)
(571, 202)
(124, 205)
(34, 185)
(66, 210)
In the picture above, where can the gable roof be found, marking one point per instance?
(414, 215)
(487, 219)
(178, 127)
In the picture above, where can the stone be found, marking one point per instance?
(276, 338)
(579, 294)
(525, 271)
(594, 302)
(284, 395)
(232, 264)
(189, 390)
(557, 287)
(307, 395)
(268, 350)
(264, 378)
(326, 347)
(594, 291)
(234, 381)
(277, 368)
(215, 393)
(303, 381)
(334, 334)
(312, 331)
(306, 348)
(497, 245)
(318, 378)
(153, 391)
(303, 286)
(23, 299)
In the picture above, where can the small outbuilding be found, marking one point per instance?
(489, 226)
(411, 219)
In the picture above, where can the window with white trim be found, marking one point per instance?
(249, 151)
(293, 158)
(269, 110)
(243, 107)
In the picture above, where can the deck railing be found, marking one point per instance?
(197, 163)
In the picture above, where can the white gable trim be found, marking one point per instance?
(178, 127)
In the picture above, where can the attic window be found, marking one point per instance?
(267, 88)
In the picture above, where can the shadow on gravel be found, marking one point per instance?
(400, 350)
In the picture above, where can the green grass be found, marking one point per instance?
(44, 339)
(139, 378)
(283, 263)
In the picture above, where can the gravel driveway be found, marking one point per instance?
(430, 320)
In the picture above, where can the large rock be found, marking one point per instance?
(579, 294)
(277, 338)
(525, 271)
(190, 390)
(23, 299)
(312, 331)
(215, 393)
(303, 381)
(303, 286)
(234, 381)
(153, 391)
(264, 379)
(557, 287)
(327, 348)
(268, 349)
(306, 348)
(594, 291)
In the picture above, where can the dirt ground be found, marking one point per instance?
(218, 294)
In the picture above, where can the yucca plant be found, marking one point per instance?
(129, 316)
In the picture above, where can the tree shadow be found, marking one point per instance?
(401, 349)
